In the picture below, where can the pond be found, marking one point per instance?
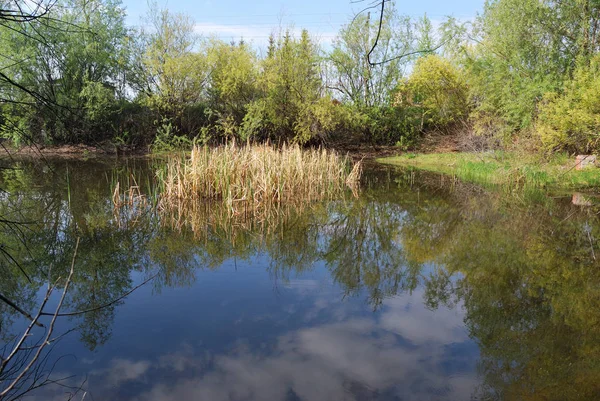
(418, 287)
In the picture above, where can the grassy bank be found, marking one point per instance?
(504, 169)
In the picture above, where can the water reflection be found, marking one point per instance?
(421, 288)
(354, 358)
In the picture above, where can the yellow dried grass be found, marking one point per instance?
(257, 175)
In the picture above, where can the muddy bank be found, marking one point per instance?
(66, 151)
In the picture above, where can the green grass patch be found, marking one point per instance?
(504, 169)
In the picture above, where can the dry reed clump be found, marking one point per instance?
(252, 176)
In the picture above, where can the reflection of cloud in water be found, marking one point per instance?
(408, 317)
(123, 370)
(403, 353)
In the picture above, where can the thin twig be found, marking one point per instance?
(27, 332)
(114, 301)
(50, 327)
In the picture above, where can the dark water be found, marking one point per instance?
(421, 288)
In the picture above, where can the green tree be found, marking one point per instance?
(359, 82)
(571, 120)
(232, 86)
(525, 49)
(53, 65)
(291, 93)
(438, 90)
(176, 75)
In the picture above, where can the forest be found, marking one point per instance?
(522, 74)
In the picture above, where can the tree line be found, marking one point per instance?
(522, 73)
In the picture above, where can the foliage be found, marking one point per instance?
(438, 90)
(357, 81)
(291, 89)
(57, 61)
(78, 74)
(525, 49)
(571, 120)
(372, 89)
(233, 85)
(167, 140)
(175, 76)
(99, 104)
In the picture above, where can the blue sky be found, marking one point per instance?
(255, 20)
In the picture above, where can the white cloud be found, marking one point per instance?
(339, 361)
(408, 317)
(256, 33)
(403, 352)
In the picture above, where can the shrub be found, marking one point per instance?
(438, 90)
(571, 120)
(167, 139)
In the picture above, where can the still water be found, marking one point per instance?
(419, 288)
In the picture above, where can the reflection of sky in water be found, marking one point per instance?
(237, 334)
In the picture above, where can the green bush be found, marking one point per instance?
(571, 120)
(438, 90)
(168, 140)
(390, 125)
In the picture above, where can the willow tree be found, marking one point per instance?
(354, 77)
(63, 73)
(525, 49)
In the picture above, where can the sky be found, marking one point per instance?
(255, 20)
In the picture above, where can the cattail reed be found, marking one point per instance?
(253, 176)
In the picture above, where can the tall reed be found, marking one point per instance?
(256, 175)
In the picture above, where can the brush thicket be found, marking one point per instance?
(253, 176)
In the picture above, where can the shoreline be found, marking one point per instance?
(503, 169)
(81, 151)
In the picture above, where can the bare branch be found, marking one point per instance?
(50, 328)
(21, 311)
(379, 29)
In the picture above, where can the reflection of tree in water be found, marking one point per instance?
(62, 211)
(529, 282)
(524, 271)
(357, 238)
(362, 250)
(50, 215)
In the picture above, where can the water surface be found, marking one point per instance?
(420, 288)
